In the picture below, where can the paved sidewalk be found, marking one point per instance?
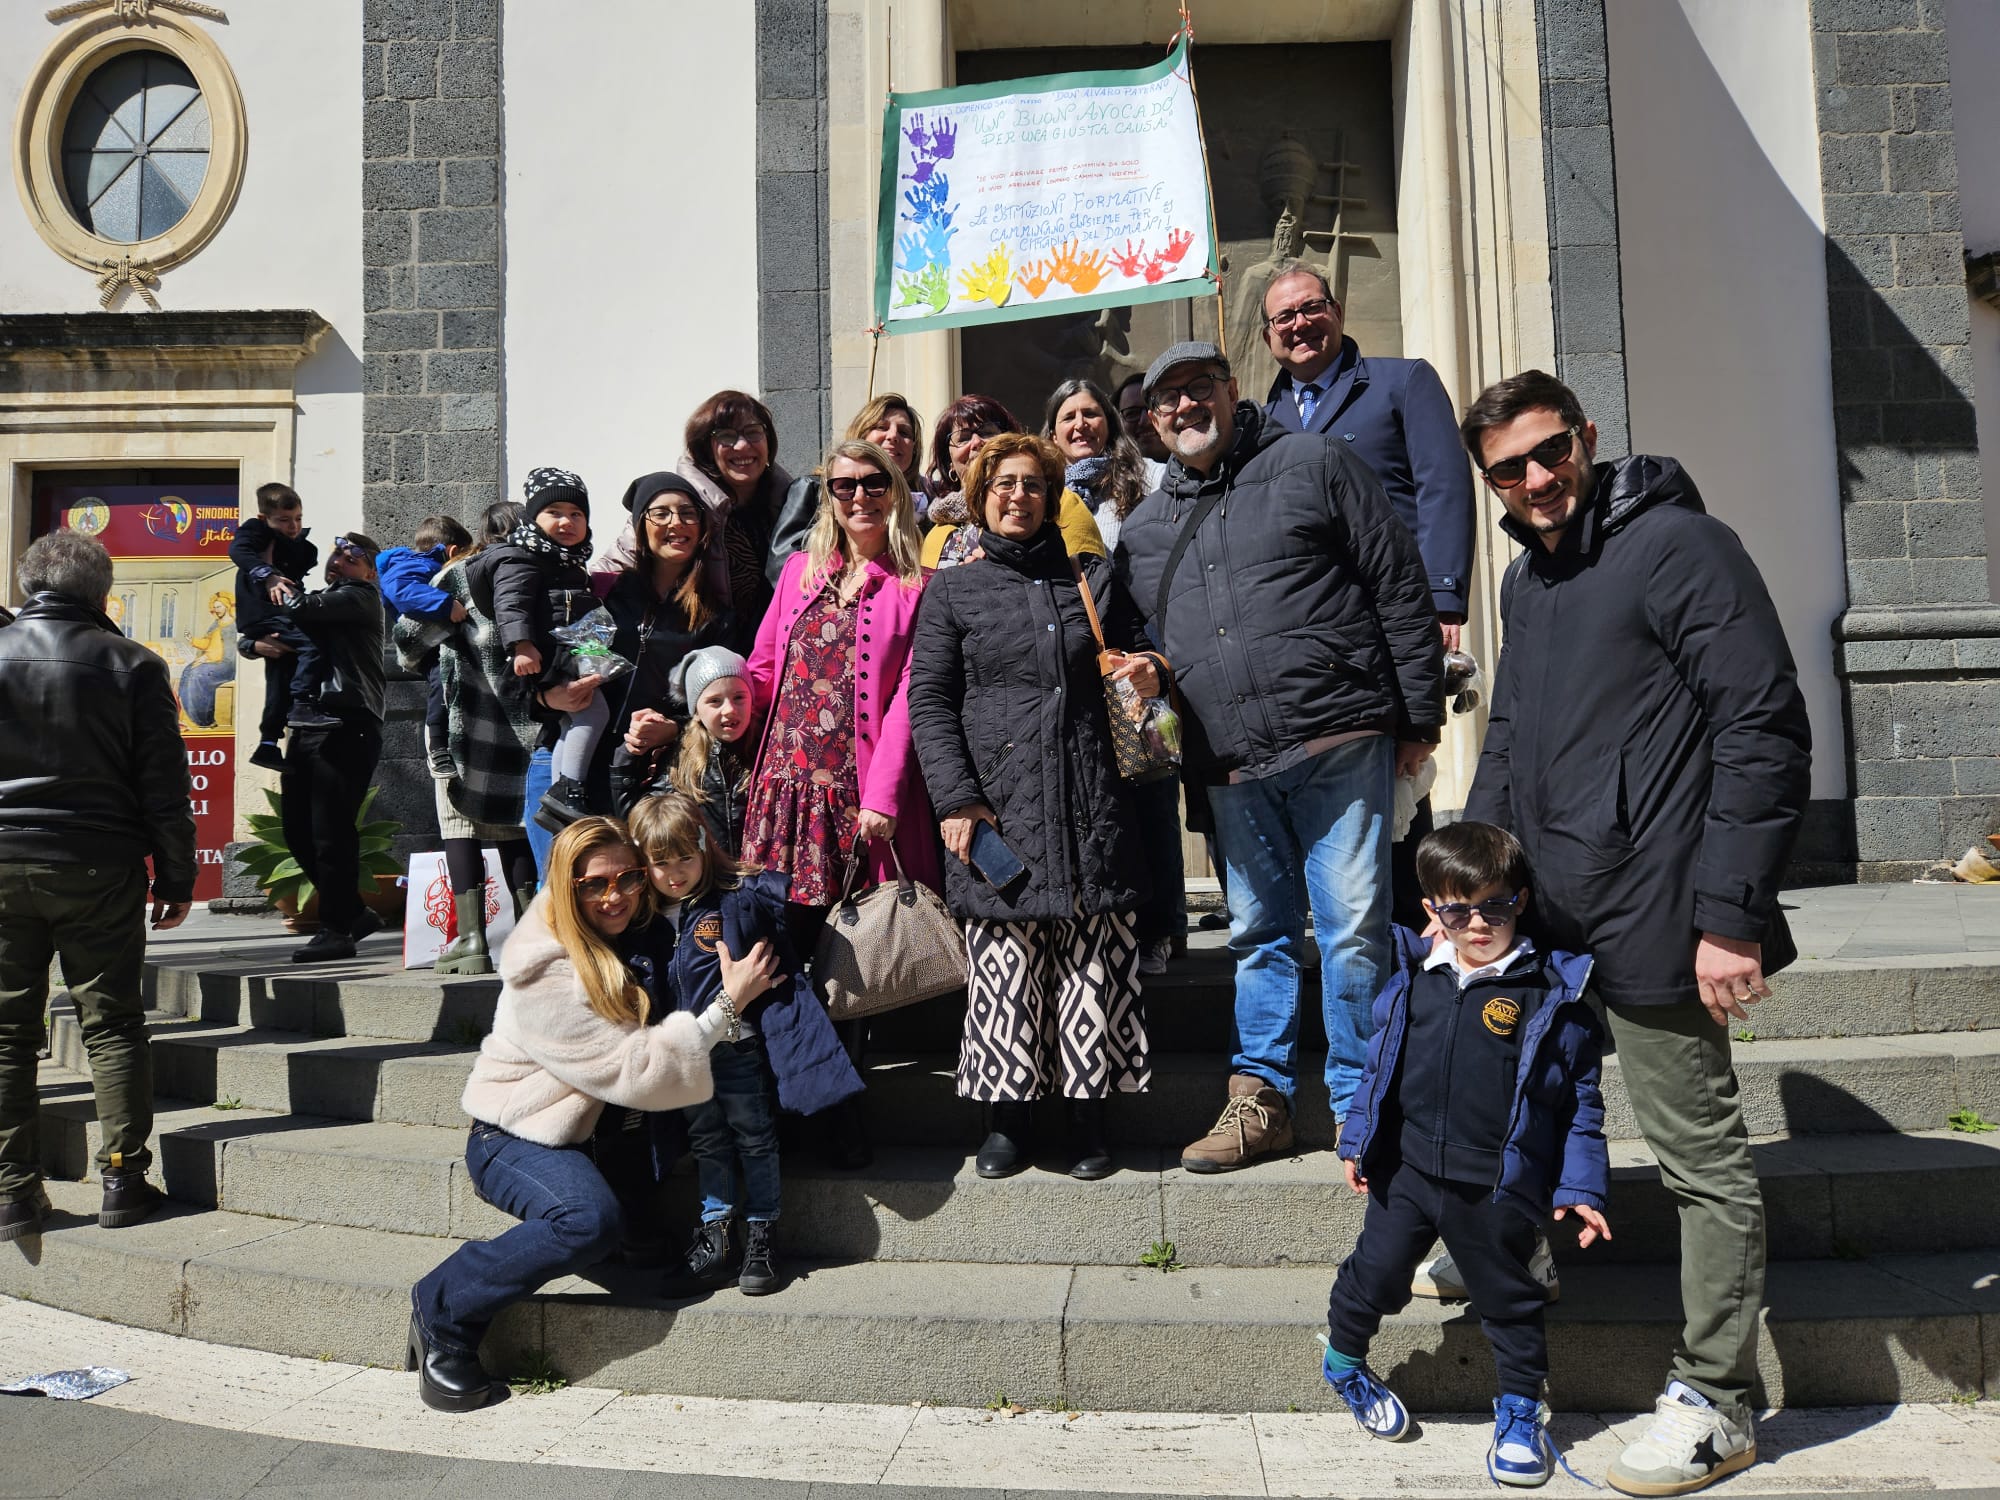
(205, 1422)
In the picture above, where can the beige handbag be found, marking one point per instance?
(891, 946)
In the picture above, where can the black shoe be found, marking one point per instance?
(1086, 1140)
(847, 1146)
(562, 804)
(128, 1198)
(1001, 1155)
(707, 1265)
(365, 925)
(1214, 921)
(311, 716)
(760, 1263)
(268, 755)
(21, 1217)
(446, 1381)
(326, 945)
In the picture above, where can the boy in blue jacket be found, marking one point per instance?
(405, 574)
(1477, 1114)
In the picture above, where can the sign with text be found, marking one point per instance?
(1046, 195)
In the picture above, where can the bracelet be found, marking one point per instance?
(735, 1031)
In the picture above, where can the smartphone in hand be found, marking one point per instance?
(998, 865)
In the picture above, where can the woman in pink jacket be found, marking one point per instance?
(569, 1036)
(837, 778)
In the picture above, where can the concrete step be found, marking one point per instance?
(1825, 1196)
(1895, 1328)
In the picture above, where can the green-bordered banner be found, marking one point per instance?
(1047, 195)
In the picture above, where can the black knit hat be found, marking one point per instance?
(648, 487)
(545, 487)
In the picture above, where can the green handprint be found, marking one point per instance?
(930, 287)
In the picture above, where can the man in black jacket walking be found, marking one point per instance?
(93, 783)
(1649, 747)
(1297, 615)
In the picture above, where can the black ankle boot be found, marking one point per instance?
(446, 1381)
(1090, 1156)
(760, 1260)
(562, 804)
(707, 1265)
(128, 1198)
(1005, 1150)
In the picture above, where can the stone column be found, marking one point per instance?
(794, 336)
(1919, 645)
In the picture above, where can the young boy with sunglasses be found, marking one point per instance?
(1478, 1113)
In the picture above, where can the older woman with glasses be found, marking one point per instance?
(1008, 708)
(963, 428)
(570, 1035)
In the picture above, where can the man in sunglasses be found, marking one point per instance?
(328, 770)
(1296, 611)
(1649, 748)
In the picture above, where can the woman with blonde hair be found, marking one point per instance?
(570, 1035)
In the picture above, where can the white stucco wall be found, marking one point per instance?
(293, 239)
(1723, 260)
(1972, 27)
(631, 231)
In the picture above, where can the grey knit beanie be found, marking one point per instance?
(695, 671)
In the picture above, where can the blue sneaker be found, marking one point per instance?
(1521, 1449)
(1376, 1410)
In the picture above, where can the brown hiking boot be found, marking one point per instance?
(1255, 1122)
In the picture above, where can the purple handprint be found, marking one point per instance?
(923, 171)
(944, 139)
(915, 133)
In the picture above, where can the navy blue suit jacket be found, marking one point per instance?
(1395, 416)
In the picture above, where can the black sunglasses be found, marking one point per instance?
(1555, 449)
(874, 486)
(1457, 915)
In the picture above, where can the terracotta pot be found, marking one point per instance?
(302, 922)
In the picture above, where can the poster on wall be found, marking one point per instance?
(1057, 194)
(174, 592)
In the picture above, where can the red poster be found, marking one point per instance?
(175, 593)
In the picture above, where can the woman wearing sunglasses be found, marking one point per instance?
(569, 1036)
(830, 667)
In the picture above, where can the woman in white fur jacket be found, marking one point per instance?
(569, 1036)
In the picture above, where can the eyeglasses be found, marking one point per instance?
(624, 883)
(1007, 484)
(1166, 398)
(672, 515)
(1457, 915)
(730, 437)
(874, 486)
(1318, 307)
(967, 434)
(1504, 474)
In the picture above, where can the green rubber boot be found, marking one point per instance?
(524, 895)
(466, 953)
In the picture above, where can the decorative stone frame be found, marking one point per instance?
(45, 105)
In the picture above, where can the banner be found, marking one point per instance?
(1045, 195)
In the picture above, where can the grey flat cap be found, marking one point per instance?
(1193, 352)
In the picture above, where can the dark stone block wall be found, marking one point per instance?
(794, 320)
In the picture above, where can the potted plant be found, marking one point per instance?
(270, 862)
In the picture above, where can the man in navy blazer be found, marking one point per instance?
(1395, 416)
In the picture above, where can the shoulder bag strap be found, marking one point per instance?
(1089, 604)
(1202, 508)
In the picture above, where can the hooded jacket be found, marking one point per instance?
(346, 622)
(92, 766)
(1300, 610)
(1553, 1154)
(292, 557)
(1648, 742)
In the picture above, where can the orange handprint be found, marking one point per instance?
(1132, 259)
(988, 280)
(1080, 274)
(1035, 276)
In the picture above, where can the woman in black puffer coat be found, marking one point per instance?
(1008, 713)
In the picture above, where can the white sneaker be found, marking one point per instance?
(1691, 1444)
(1440, 1279)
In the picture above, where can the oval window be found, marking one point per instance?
(135, 147)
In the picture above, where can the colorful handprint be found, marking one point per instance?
(1130, 261)
(1035, 276)
(1080, 274)
(931, 288)
(1156, 268)
(927, 198)
(1177, 245)
(989, 279)
(944, 139)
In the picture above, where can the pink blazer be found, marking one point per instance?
(885, 757)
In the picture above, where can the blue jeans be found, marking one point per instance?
(736, 1125)
(570, 1221)
(1316, 834)
(541, 776)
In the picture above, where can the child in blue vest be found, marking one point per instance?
(786, 1056)
(1478, 1113)
(405, 574)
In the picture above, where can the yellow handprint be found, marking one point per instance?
(1036, 276)
(988, 280)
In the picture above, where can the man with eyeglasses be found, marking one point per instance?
(1649, 747)
(1297, 614)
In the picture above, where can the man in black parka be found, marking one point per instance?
(1649, 747)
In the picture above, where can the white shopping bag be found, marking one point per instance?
(430, 917)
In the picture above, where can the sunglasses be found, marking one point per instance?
(1457, 915)
(729, 437)
(624, 883)
(846, 487)
(1549, 452)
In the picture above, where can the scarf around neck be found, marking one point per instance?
(531, 538)
(1086, 475)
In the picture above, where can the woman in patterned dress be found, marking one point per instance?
(836, 779)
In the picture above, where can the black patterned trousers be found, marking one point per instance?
(1053, 1007)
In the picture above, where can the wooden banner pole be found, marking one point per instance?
(1208, 182)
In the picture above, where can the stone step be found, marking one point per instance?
(1890, 1329)
(1825, 1196)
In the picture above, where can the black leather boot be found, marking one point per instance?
(21, 1217)
(446, 1381)
(128, 1198)
(1005, 1151)
(1090, 1156)
(760, 1260)
(707, 1265)
(562, 804)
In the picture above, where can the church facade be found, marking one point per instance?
(396, 253)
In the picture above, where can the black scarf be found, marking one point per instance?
(531, 538)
